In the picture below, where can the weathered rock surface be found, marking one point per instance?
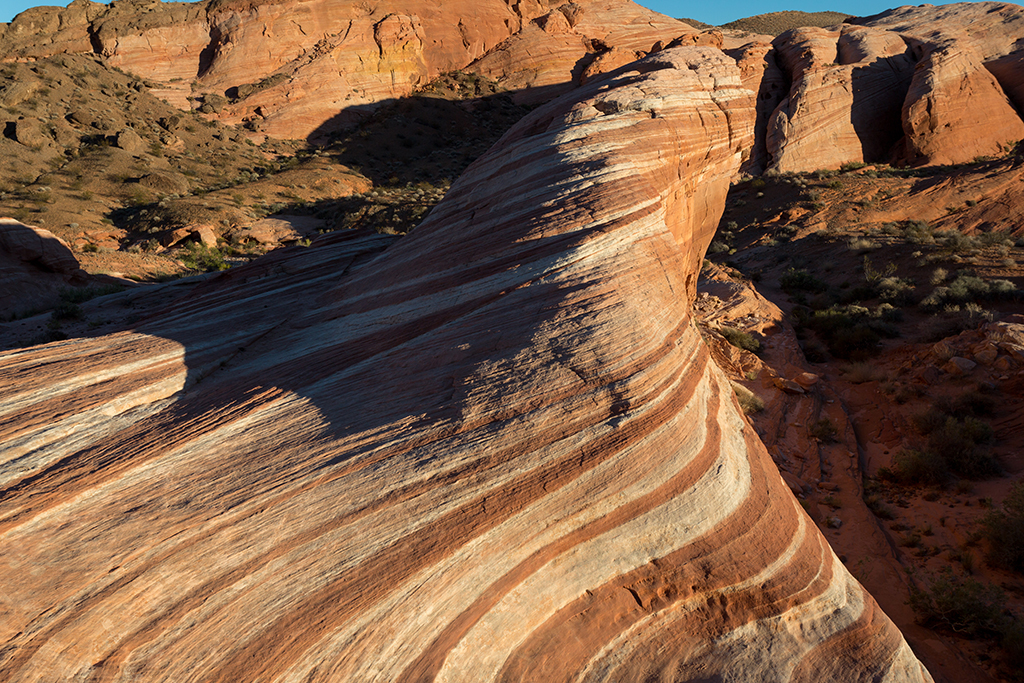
(34, 266)
(575, 42)
(498, 450)
(292, 70)
(845, 103)
(920, 85)
(292, 66)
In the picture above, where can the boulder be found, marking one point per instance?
(959, 366)
(987, 354)
(943, 350)
(34, 266)
(130, 141)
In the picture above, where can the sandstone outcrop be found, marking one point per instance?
(498, 450)
(845, 103)
(574, 42)
(289, 67)
(34, 266)
(917, 85)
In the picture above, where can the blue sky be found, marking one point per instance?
(717, 12)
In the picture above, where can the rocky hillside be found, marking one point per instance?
(517, 423)
(774, 23)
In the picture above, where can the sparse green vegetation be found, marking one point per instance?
(970, 288)
(202, 258)
(915, 467)
(824, 430)
(956, 444)
(798, 279)
(1004, 529)
(851, 332)
(740, 339)
(963, 605)
(748, 400)
(877, 507)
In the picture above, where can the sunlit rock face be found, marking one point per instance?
(294, 69)
(495, 450)
(915, 85)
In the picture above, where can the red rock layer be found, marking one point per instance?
(498, 450)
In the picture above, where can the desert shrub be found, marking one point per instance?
(939, 276)
(851, 332)
(888, 313)
(915, 467)
(918, 232)
(66, 310)
(955, 241)
(740, 339)
(748, 400)
(859, 373)
(972, 403)
(203, 258)
(877, 507)
(861, 244)
(958, 442)
(798, 279)
(968, 288)
(823, 430)
(718, 247)
(895, 289)
(79, 295)
(1002, 289)
(960, 604)
(1004, 529)
(992, 238)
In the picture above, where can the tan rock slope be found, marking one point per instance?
(498, 450)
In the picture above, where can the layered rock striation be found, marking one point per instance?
(496, 449)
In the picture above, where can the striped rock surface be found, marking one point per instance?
(496, 449)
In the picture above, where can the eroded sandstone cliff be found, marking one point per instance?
(919, 85)
(496, 450)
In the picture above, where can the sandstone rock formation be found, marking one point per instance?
(918, 85)
(574, 42)
(888, 88)
(290, 68)
(34, 267)
(845, 103)
(498, 450)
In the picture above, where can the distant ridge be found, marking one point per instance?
(775, 23)
(694, 23)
